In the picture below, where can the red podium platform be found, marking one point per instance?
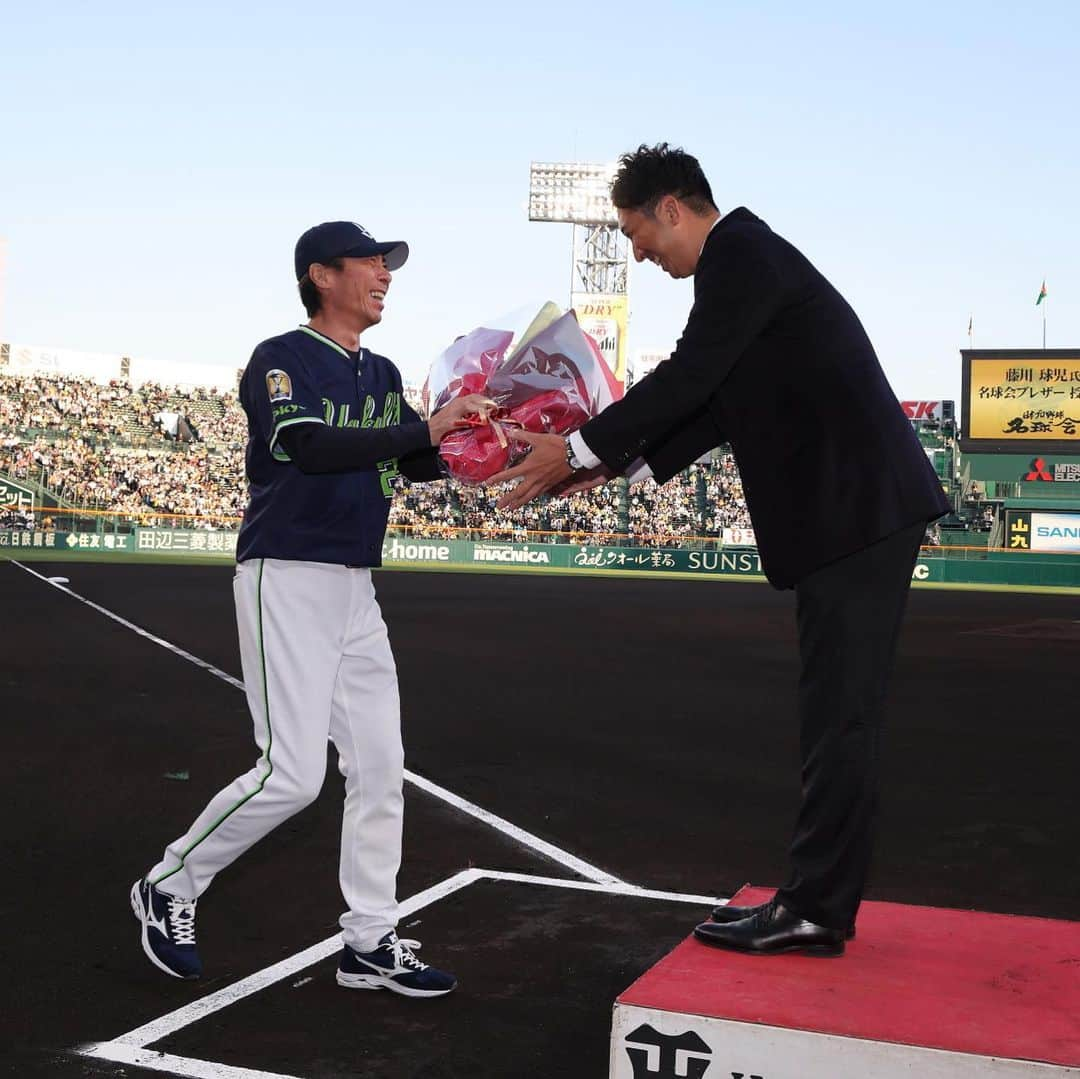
(921, 993)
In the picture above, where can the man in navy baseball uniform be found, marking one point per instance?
(329, 431)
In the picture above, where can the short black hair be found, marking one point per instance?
(649, 173)
(309, 291)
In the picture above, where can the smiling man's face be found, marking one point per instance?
(662, 237)
(358, 290)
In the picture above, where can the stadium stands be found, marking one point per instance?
(117, 447)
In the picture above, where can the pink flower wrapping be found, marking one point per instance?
(553, 381)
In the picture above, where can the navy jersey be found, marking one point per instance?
(304, 377)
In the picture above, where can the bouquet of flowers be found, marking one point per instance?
(549, 379)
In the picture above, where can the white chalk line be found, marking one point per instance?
(131, 1048)
(152, 1060)
(526, 839)
(520, 835)
(134, 628)
(169, 1024)
(612, 888)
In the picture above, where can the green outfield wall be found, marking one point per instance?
(993, 568)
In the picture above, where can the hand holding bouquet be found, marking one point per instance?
(551, 380)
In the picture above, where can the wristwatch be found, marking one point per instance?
(572, 458)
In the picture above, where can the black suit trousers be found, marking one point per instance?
(849, 614)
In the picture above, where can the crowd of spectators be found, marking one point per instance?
(195, 482)
(649, 513)
(117, 411)
(115, 447)
(14, 519)
(60, 402)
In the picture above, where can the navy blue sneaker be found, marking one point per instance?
(393, 966)
(168, 930)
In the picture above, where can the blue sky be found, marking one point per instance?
(157, 163)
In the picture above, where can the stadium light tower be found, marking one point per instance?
(578, 193)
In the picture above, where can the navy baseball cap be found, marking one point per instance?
(344, 239)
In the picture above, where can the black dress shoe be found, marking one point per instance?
(772, 929)
(727, 913)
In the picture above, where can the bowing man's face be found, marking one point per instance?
(663, 237)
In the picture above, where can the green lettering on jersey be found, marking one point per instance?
(335, 415)
(391, 414)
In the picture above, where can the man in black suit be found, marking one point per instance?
(775, 362)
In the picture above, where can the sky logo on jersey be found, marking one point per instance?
(279, 386)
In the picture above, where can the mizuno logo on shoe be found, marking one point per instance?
(151, 918)
(172, 947)
(392, 965)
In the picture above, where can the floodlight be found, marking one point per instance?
(576, 192)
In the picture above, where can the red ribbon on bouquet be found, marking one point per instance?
(554, 382)
(477, 453)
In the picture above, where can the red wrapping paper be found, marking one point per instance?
(553, 382)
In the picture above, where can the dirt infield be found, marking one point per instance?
(645, 728)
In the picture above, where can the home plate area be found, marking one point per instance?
(540, 960)
(921, 992)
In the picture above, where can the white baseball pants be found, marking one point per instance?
(317, 664)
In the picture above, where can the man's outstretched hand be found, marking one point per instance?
(585, 479)
(545, 467)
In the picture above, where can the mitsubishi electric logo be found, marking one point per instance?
(1039, 471)
(1044, 472)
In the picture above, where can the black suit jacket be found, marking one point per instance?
(774, 361)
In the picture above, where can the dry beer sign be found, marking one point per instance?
(14, 497)
(603, 316)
